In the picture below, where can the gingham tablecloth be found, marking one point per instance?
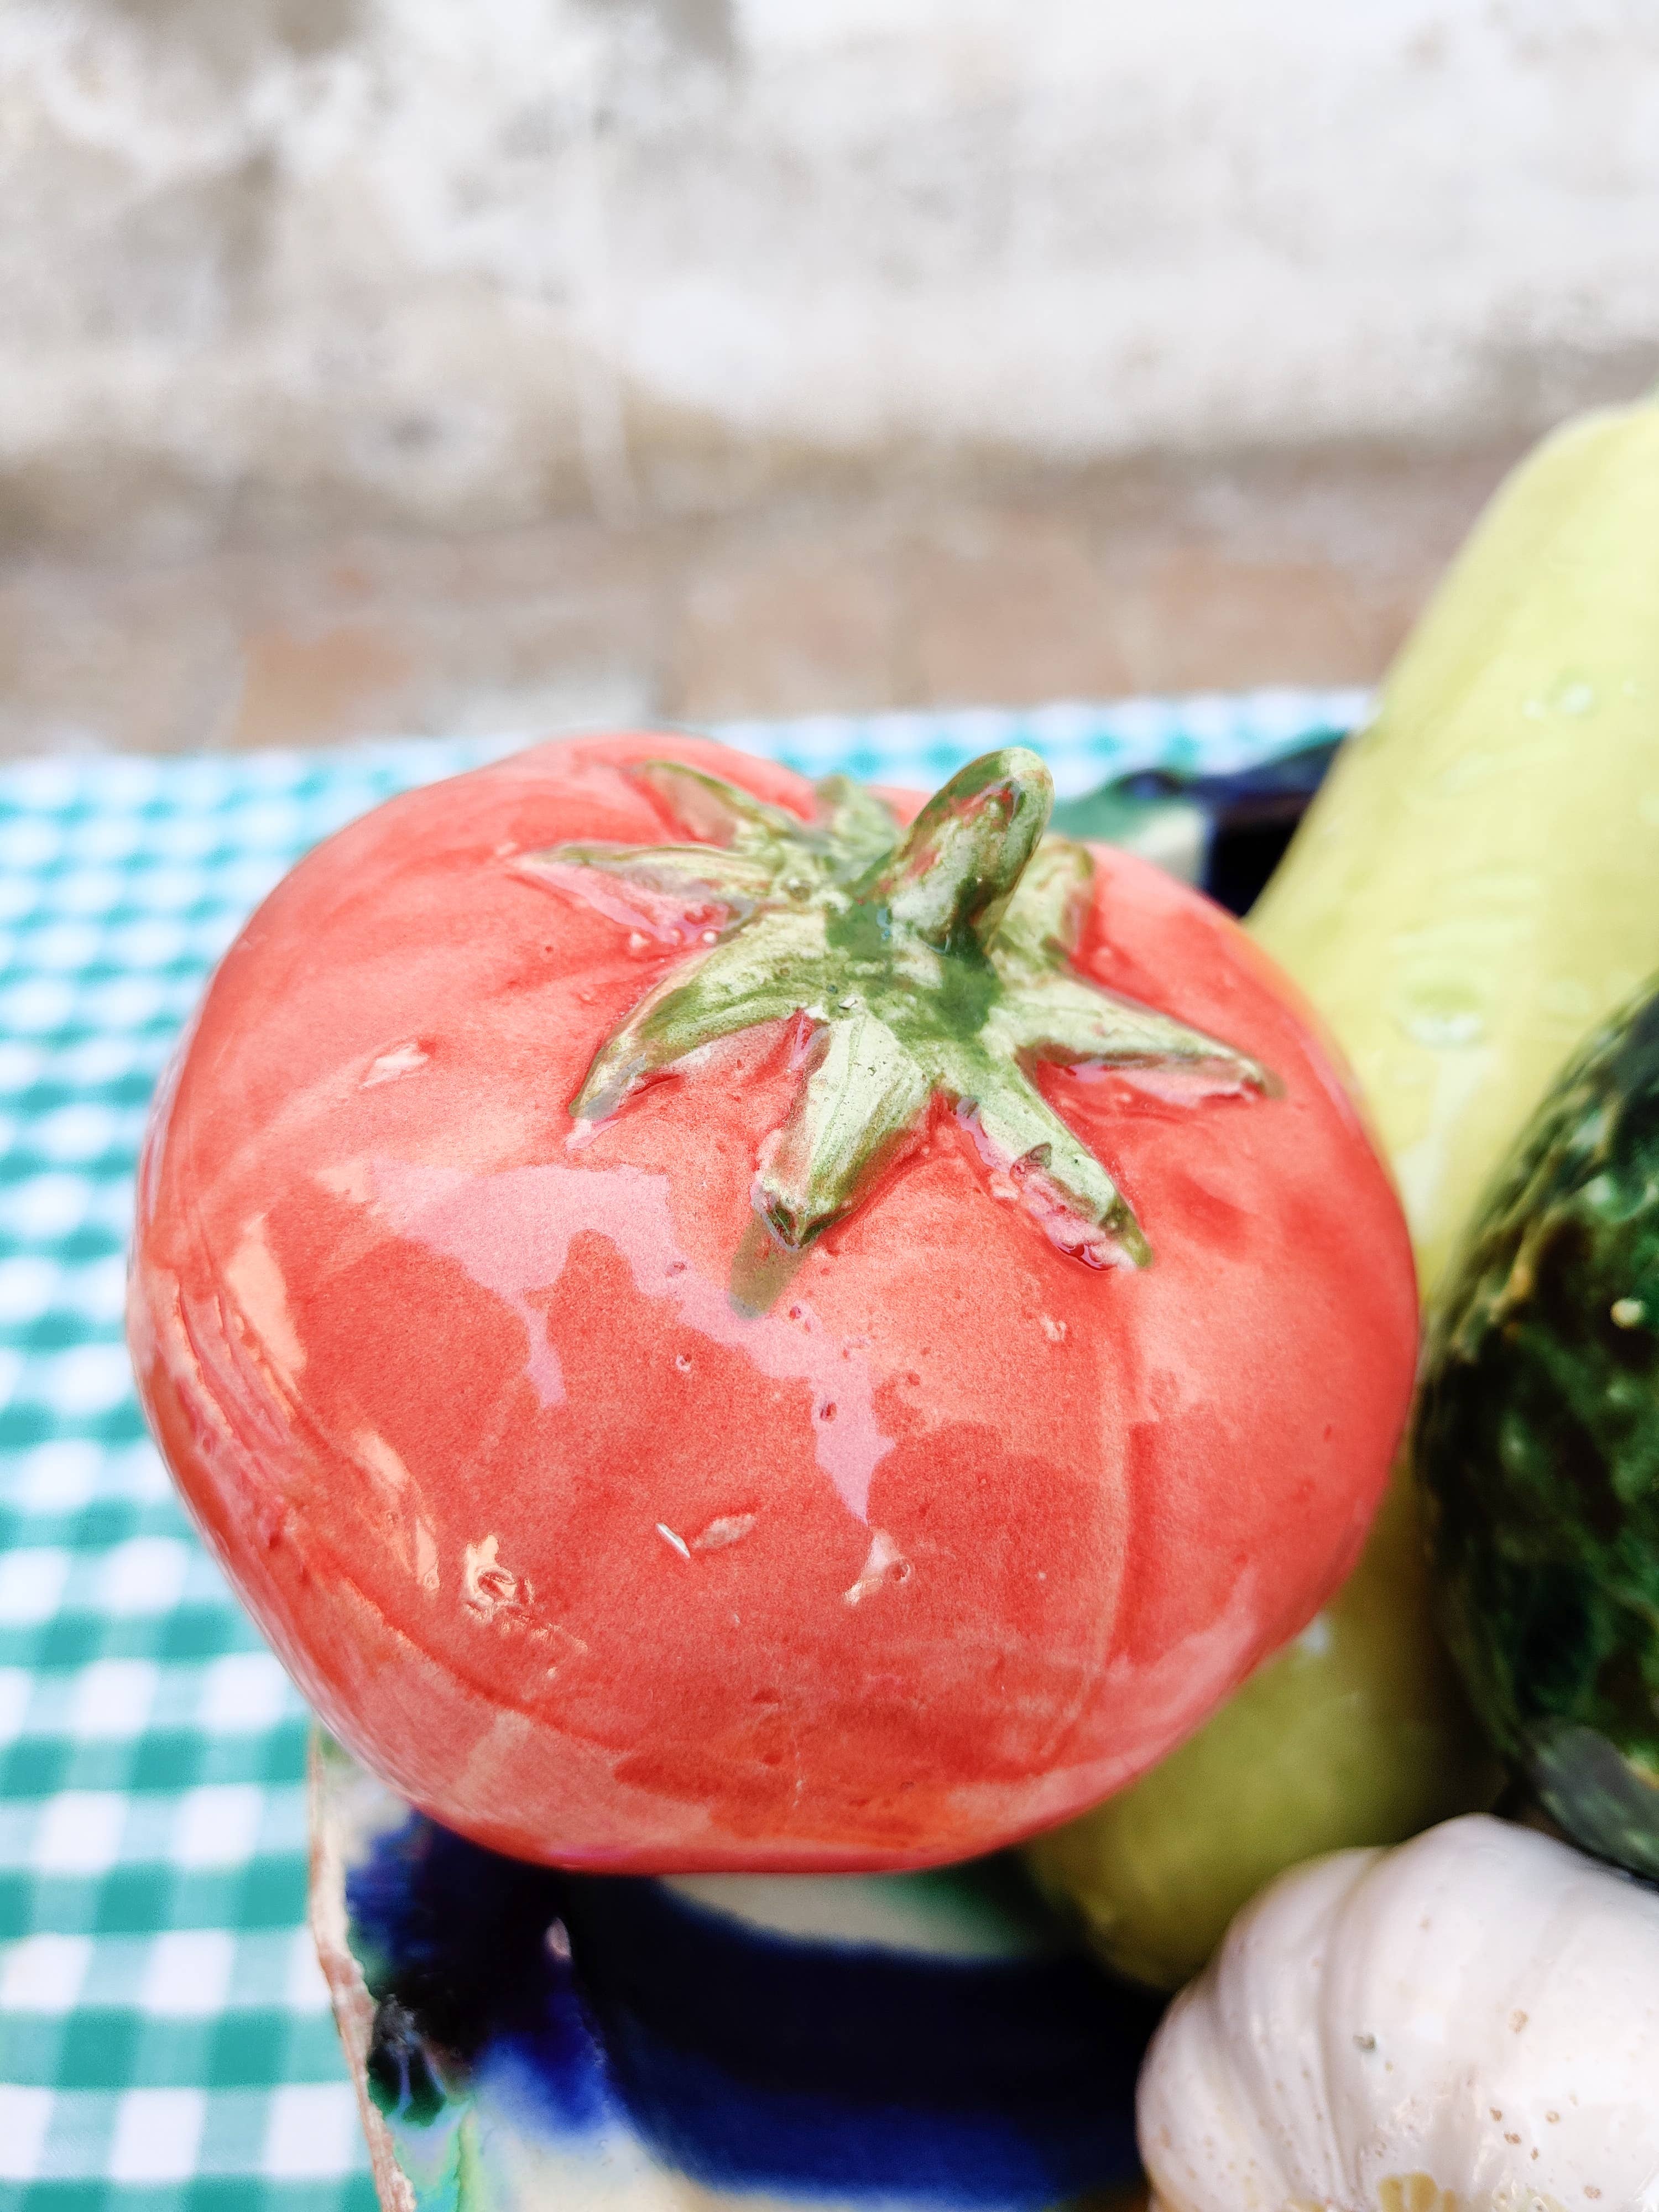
(165, 2038)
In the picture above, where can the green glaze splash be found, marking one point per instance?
(931, 964)
(1537, 1442)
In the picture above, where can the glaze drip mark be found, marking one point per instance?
(934, 962)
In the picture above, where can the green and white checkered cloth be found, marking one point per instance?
(165, 2038)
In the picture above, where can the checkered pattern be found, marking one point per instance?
(165, 2040)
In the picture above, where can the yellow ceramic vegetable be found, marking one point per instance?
(1474, 889)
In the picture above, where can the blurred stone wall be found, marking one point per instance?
(290, 265)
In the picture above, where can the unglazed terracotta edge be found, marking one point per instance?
(353, 2008)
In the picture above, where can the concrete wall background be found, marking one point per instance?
(283, 266)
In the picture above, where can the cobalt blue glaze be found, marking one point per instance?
(1236, 825)
(744, 2059)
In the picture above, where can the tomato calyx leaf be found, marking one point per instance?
(934, 962)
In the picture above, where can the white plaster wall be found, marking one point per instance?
(464, 260)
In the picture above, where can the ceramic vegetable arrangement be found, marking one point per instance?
(724, 1325)
(1473, 2018)
(1471, 892)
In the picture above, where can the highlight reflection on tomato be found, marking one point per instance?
(961, 1328)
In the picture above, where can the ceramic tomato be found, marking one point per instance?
(712, 1330)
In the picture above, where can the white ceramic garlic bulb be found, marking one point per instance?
(1470, 2023)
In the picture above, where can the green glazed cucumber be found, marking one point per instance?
(1536, 1443)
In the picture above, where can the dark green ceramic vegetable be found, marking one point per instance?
(1537, 1443)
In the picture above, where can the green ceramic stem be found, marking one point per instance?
(933, 963)
(952, 879)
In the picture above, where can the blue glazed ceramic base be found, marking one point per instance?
(524, 2038)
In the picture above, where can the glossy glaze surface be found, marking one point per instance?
(934, 1537)
(1537, 1444)
(925, 967)
(1356, 1729)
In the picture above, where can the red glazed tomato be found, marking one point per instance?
(961, 1329)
